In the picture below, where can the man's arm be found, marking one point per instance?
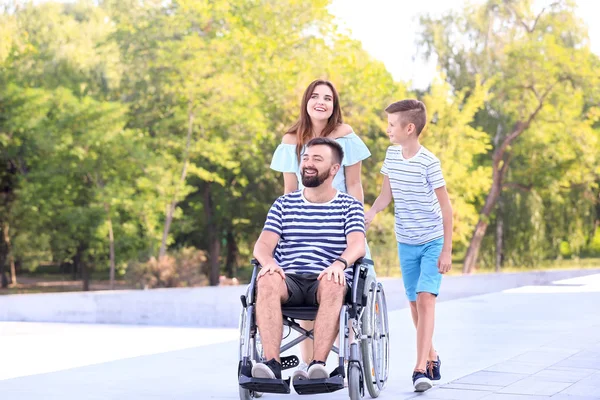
(445, 260)
(263, 252)
(355, 250)
(354, 227)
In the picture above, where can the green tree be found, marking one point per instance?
(537, 63)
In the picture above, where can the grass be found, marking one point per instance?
(393, 271)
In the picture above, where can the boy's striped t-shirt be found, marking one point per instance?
(413, 182)
(313, 235)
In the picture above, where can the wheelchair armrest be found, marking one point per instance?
(358, 282)
(252, 285)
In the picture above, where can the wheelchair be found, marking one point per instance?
(366, 352)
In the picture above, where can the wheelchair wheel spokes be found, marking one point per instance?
(368, 342)
(381, 337)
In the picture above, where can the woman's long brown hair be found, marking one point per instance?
(303, 127)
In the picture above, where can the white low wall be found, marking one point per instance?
(201, 307)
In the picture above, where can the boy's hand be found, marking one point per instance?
(445, 261)
(369, 216)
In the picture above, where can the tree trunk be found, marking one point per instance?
(500, 165)
(85, 276)
(74, 270)
(215, 252)
(111, 239)
(214, 242)
(171, 206)
(499, 235)
(9, 256)
(3, 279)
(81, 265)
(232, 255)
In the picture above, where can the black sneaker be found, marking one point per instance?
(433, 369)
(269, 370)
(421, 382)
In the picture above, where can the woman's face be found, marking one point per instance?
(320, 103)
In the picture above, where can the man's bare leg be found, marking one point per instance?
(330, 296)
(271, 292)
(306, 346)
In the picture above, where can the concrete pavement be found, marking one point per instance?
(530, 342)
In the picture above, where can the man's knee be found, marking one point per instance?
(271, 286)
(330, 291)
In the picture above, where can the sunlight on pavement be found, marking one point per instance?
(582, 284)
(37, 348)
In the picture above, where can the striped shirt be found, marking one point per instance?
(313, 235)
(416, 207)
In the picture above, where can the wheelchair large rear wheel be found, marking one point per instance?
(375, 345)
(256, 351)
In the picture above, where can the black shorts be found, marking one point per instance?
(302, 289)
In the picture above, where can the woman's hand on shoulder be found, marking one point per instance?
(289, 138)
(341, 131)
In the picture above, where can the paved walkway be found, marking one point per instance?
(533, 342)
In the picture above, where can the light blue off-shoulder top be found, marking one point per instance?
(355, 150)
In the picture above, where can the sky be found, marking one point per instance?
(388, 30)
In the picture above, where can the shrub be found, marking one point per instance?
(178, 269)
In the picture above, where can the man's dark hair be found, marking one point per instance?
(412, 111)
(336, 149)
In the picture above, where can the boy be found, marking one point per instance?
(423, 215)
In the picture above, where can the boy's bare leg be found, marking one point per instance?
(415, 317)
(306, 346)
(271, 292)
(425, 320)
(331, 297)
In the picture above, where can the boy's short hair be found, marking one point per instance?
(336, 148)
(413, 111)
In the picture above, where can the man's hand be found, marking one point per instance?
(445, 261)
(369, 216)
(336, 272)
(271, 269)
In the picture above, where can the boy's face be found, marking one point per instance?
(398, 130)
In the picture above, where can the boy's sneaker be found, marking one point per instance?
(316, 370)
(269, 370)
(301, 372)
(421, 382)
(433, 369)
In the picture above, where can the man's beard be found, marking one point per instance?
(314, 180)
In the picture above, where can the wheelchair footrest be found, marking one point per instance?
(265, 385)
(316, 386)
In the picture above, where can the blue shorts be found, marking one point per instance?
(419, 267)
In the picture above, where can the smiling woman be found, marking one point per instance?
(321, 116)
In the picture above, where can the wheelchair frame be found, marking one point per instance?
(364, 312)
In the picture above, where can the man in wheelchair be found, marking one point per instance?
(307, 249)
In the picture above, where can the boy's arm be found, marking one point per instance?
(445, 260)
(383, 200)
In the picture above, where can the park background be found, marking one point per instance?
(136, 137)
